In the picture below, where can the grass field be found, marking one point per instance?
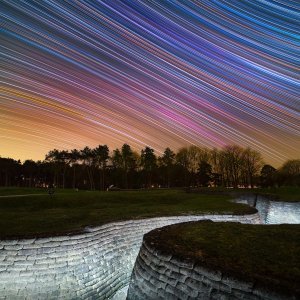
(67, 211)
(266, 255)
(289, 194)
(70, 211)
(11, 191)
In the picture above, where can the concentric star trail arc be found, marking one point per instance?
(155, 73)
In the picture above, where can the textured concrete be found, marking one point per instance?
(161, 276)
(92, 265)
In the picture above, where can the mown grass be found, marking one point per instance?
(266, 255)
(289, 194)
(66, 212)
(7, 191)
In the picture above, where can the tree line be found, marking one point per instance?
(98, 168)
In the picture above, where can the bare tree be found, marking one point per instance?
(252, 162)
(182, 159)
(232, 159)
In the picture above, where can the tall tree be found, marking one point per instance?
(53, 157)
(204, 173)
(128, 162)
(167, 161)
(193, 159)
(101, 157)
(65, 159)
(87, 156)
(182, 159)
(252, 162)
(74, 159)
(117, 163)
(148, 162)
(30, 170)
(8, 171)
(232, 159)
(268, 176)
(290, 171)
(218, 167)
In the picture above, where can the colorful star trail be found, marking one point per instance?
(157, 73)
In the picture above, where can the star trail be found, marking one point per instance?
(157, 73)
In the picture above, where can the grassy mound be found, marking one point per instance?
(37, 215)
(267, 255)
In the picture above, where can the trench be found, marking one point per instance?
(273, 212)
(98, 263)
(270, 212)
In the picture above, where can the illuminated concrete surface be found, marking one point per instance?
(95, 264)
(273, 212)
(162, 276)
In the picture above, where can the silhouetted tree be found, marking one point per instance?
(74, 160)
(218, 167)
(232, 161)
(230, 166)
(61, 161)
(117, 163)
(9, 169)
(268, 176)
(252, 163)
(167, 161)
(204, 173)
(65, 158)
(148, 163)
(182, 159)
(53, 157)
(101, 157)
(128, 162)
(87, 156)
(290, 171)
(30, 170)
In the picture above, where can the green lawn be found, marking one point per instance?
(266, 255)
(289, 194)
(70, 211)
(6, 191)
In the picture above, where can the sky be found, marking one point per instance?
(157, 73)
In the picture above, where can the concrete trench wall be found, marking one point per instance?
(92, 265)
(161, 276)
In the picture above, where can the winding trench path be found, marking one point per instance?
(95, 264)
